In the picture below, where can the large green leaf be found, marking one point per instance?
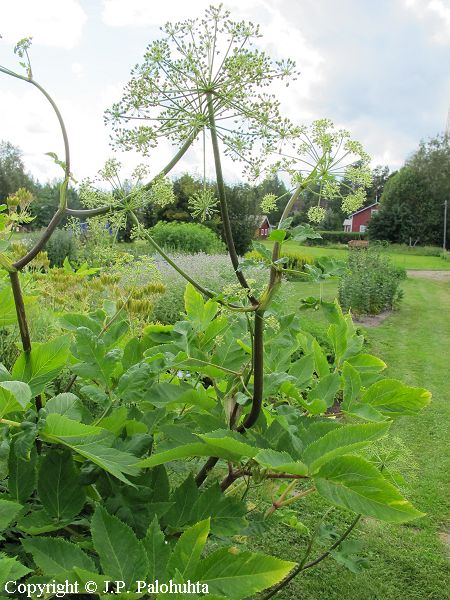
(8, 511)
(321, 364)
(121, 554)
(22, 474)
(200, 313)
(157, 552)
(55, 555)
(187, 551)
(338, 335)
(394, 398)
(94, 443)
(369, 367)
(221, 443)
(14, 396)
(182, 451)
(134, 384)
(239, 575)
(323, 393)
(38, 522)
(280, 462)
(227, 513)
(59, 490)
(11, 569)
(71, 322)
(8, 315)
(229, 441)
(352, 385)
(354, 483)
(212, 331)
(366, 363)
(228, 352)
(342, 441)
(5, 375)
(303, 369)
(66, 404)
(97, 363)
(183, 498)
(42, 364)
(167, 395)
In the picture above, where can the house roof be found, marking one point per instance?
(363, 209)
(259, 220)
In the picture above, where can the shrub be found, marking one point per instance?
(335, 237)
(170, 305)
(187, 237)
(371, 283)
(62, 244)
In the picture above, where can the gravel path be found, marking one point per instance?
(436, 275)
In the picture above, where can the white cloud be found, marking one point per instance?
(436, 11)
(51, 22)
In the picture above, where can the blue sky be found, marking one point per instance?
(380, 68)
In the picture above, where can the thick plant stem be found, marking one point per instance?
(258, 372)
(302, 566)
(203, 473)
(20, 310)
(258, 378)
(223, 201)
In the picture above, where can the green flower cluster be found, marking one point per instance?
(161, 192)
(268, 203)
(203, 204)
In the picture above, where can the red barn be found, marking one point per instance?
(357, 222)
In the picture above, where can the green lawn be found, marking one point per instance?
(408, 261)
(408, 562)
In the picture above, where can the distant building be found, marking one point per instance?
(357, 222)
(264, 227)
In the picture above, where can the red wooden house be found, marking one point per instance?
(264, 227)
(357, 222)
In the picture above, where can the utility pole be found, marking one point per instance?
(444, 241)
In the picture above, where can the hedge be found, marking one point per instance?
(336, 237)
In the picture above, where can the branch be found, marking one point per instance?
(302, 567)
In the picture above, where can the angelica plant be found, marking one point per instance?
(236, 379)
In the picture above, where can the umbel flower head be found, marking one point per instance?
(328, 163)
(268, 203)
(199, 66)
(203, 204)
